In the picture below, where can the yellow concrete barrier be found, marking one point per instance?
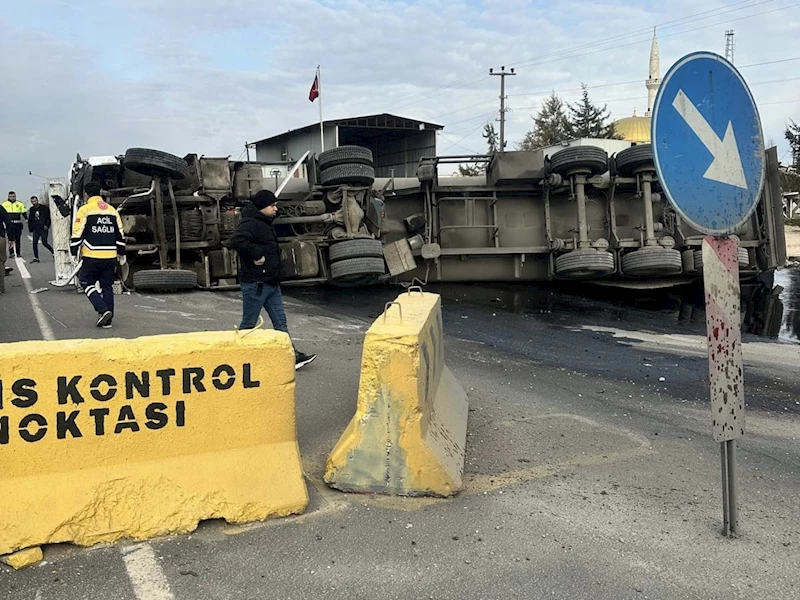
(408, 435)
(109, 439)
(23, 558)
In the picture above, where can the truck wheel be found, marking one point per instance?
(349, 173)
(634, 158)
(652, 261)
(344, 155)
(356, 268)
(355, 249)
(585, 263)
(155, 163)
(165, 280)
(744, 259)
(585, 159)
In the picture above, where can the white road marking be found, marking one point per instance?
(30, 237)
(38, 312)
(147, 578)
(23, 270)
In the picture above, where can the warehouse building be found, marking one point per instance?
(397, 143)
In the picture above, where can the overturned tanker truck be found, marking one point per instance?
(588, 210)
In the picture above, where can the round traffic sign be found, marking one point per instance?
(707, 142)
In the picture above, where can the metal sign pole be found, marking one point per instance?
(726, 522)
(733, 488)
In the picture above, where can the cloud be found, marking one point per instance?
(207, 75)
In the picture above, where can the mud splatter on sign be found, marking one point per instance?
(723, 321)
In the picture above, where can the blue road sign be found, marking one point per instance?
(707, 143)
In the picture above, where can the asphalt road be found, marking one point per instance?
(590, 471)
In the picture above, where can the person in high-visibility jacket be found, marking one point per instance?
(3, 247)
(97, 235)
(16, 212)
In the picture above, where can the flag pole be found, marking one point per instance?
(321, 128)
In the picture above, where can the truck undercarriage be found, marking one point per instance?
(567, 212)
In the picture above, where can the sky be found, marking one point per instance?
(98, 76)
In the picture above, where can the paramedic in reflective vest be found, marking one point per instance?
(97, 234)
(16, 211)
(3, 248)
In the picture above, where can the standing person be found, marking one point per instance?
(16, 212)
(39, 226)
(3, 247)
(97, 234)
(260, 266)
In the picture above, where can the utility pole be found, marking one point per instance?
(729, 45)
(502, 74)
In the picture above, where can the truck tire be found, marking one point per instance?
(585, 263)
(634, 158)
(588, 159)
(744, 259)
(355, 249)
(165, 280)
(652, 261)
(155, 163)
(344, 155)
(349, 173)
(357, 268)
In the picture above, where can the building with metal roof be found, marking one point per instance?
(397, 143)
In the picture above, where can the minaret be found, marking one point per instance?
(654, 78)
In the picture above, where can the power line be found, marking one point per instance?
(470, 150)
(477, 76)
(769, 62)
(774, 81)
(667, 25)
(589, 87)
(594, 87)
(646, 40)
(490, 116)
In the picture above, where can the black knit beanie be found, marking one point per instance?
(263, 199)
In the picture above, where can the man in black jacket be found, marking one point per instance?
(39, 226)
(260, 266)
(3, 248)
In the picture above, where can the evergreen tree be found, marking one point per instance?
(587, 120)
(492, 143)
(793, 137)
(550, 126)
(491, 137)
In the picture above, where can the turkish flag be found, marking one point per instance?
(313, 94)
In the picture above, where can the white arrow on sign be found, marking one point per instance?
(727, 164)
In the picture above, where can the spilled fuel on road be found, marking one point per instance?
(770, 310)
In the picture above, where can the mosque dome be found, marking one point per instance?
(634, 129)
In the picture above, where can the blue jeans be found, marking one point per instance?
(256, 295)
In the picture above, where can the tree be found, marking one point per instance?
(492, 143)
(793, 137)
(550, 126)
(491, 137)
(587, 120)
